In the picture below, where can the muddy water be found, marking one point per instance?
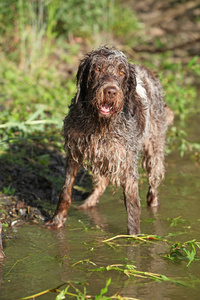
(39, 259)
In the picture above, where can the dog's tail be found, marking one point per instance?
(169, 116)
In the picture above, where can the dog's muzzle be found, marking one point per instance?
(110, 94)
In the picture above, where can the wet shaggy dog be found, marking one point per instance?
(117, 113)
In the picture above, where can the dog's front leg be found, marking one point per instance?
(132, 203)
(64, 201)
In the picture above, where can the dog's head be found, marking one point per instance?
(105, 82)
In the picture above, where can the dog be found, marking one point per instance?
(117, 113)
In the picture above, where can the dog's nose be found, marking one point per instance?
(110, 91)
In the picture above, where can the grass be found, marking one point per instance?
(185, 251)
(76, 293)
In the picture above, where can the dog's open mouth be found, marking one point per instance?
(105, 109)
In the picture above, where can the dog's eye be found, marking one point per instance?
(97, 69)
(122, 73)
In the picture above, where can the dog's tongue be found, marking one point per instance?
(105, 109)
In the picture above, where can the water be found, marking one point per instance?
(39, 259)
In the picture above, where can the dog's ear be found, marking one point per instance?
(131, 89)
(81, 79)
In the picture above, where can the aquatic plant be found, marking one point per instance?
(184, 251)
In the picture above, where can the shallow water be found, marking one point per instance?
(39, 259)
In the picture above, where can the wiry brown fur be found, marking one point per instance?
(117, 113)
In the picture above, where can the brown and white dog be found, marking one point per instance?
(117, 113)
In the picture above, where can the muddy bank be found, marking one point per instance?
(30, 183)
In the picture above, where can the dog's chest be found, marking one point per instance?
(106, 155)
(104, 148)
(109, 151)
